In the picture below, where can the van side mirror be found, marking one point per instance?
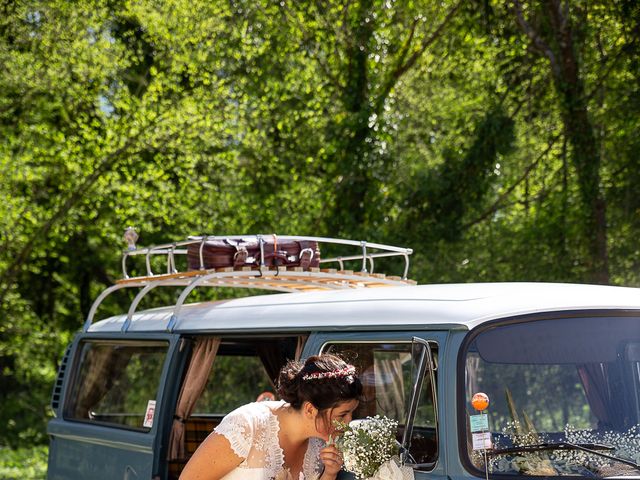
(422, 356)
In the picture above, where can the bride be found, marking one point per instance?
(289, 439)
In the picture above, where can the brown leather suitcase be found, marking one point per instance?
(247, 253)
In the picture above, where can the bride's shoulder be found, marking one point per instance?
(258, 409)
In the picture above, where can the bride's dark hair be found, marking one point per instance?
(324, 380)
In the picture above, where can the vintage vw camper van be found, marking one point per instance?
(136, 393)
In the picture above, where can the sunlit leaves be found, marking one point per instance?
(432, 124)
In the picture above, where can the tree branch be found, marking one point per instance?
(609, 69)
(538, 43)
(496, 205)
(308, 37)
(428, 41)
(108, 162)
(394, 76)
(402, 67)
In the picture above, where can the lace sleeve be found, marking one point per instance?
(237, 427)
(312, 465)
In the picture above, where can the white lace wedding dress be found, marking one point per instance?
(252, 431)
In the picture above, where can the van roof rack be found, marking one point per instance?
(330, 275)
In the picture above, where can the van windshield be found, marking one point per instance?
(553, 385)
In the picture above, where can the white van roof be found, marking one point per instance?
(461, 306)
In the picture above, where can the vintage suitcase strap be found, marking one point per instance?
(240, 253)
(308, 250)
(290, 253)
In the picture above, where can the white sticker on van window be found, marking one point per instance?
(481, 440)
(148, 417)
(479, 423)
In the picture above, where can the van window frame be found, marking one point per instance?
(128, 338)
(318, 342)
(461, 410)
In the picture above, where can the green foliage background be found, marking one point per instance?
(497, 139)
(23, 463)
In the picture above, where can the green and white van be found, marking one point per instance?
(136, 393)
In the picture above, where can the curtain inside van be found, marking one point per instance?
(275, 356)
(204, 353)
(607, 404)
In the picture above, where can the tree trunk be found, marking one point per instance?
(559, 46)
(354, 153)
(586, 160)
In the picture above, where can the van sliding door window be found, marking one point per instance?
(386, 371)
(117, 383)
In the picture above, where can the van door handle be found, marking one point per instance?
(130, 473)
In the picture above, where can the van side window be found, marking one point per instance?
(386, 373)
(117, 383)
(234, 381)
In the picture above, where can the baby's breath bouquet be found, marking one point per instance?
(370, 450)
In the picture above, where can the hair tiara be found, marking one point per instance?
(343, 372)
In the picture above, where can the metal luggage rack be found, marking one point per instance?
(331, 275)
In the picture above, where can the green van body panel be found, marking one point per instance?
(82, 450)
(445, 314)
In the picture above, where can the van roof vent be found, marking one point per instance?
(281, 263)
(57, 387)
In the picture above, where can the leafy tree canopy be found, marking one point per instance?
(497, 139)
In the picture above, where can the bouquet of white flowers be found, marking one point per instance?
(370, 450)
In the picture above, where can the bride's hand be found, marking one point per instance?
(332, 460)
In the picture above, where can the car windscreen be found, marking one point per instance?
(569, 381)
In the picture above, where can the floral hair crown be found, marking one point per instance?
(343, 372)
